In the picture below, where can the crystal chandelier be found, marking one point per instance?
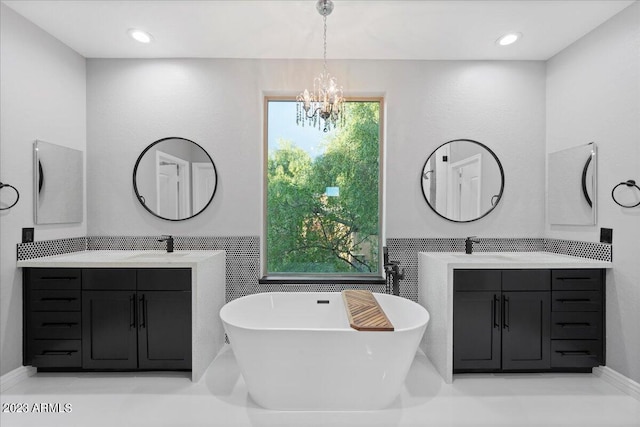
(326, 101)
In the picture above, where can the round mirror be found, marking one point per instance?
(462, 180)
(175, 179)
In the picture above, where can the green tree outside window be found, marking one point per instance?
(323, 211)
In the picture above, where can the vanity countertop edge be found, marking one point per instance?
(122, 259)
(513, 260)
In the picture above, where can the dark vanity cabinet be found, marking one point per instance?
(52, 318)
(501, 320)
(110, 324)
(577, 318)
(527, 320)
(124, 319)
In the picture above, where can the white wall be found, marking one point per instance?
(593, 94)
(218, 104)
(43, 87)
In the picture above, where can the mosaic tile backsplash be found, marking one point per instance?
(243, 256)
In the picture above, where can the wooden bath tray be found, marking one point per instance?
(365, 314)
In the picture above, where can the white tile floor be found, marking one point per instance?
(221, 399)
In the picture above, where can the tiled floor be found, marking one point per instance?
(221, 399)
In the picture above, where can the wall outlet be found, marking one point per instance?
(27, 235)
(606, 235)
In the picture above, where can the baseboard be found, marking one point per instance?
(14, 377)
(618, 380)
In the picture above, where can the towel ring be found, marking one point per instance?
(628, 183)
(17, 195)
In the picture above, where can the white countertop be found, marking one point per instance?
(516, 260)
(121, 259)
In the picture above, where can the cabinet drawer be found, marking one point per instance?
(164, 279)
(106, 279)
(55, 325)
(54, 300)
(526, 280)
(578, 280)
(576, 325)
(476, 280)
(54, 278)
(576, 301)
(576, 353)
(55, 353)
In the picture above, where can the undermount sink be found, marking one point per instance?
(159, 255)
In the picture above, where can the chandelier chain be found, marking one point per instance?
(324, 55)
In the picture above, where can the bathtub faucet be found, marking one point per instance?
(392, 272)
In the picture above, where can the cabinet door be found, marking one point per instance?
(476, 331)
(109, 338)
(164, 330)
(526, 333)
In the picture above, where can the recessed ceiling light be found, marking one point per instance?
(139, 35)
(508, 39)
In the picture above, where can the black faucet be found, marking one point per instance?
(392, 272)
(169, 241)
(468, 244)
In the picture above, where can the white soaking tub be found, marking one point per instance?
(296, 350)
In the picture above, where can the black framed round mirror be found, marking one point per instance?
(175, 179)
(462, 180)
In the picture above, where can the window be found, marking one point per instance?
(323, 192)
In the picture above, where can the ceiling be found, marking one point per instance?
(364, 29)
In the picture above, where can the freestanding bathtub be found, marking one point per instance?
(296, 350)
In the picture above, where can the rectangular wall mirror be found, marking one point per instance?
(571, 181)
(58, 184)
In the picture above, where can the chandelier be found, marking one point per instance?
(322, 107)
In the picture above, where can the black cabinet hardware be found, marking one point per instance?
(575, 353)
(59, 325)
(573, 325)
(58, 352)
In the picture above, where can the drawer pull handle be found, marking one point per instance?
(583, 353)
(574, 300)
(58, 278)
(574, 278)
(59, 325)
(58, 352)
(574, 325)
(58, 299)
